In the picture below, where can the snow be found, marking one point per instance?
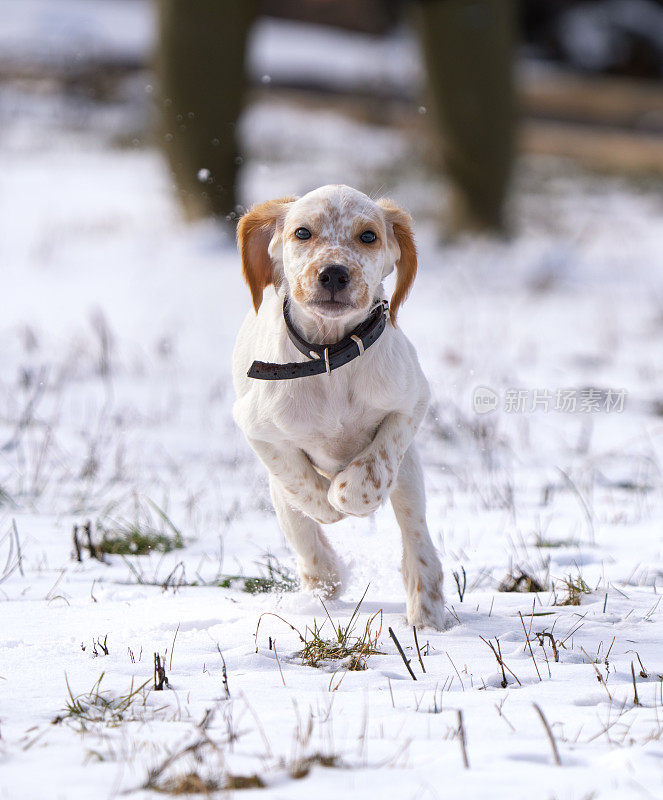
(116, 330)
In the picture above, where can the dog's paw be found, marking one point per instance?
(361, 487)
(324, 578)
(324, 513)
(315, 505)
(434, 616)
(425, 603)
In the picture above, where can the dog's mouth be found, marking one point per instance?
(331, 308)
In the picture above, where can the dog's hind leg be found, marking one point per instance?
(317, 564)
(422, 571)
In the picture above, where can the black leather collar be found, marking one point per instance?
(324, 358)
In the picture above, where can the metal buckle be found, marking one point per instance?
(327, 365)
(359, 343)
(382, 303)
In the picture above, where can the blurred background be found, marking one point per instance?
(526, 138)
(253, 99)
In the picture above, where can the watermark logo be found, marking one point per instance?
(485, 400)
(571, 401)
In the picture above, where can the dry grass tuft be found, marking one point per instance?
(191, 783)
(575, 588)
(302, 766)
(97, 706)
(244, 782)
(355, 650)
(520, 581)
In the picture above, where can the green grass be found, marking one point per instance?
(134, 540)
(575, 588)
(97, 706)
(344, 645)
(150, 531)
(543, 542)
(277, 578)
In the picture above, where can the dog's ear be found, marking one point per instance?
(399, 224)
(255, 232)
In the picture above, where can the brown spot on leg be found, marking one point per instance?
(370, 474)
(342, 485)
(419, 585)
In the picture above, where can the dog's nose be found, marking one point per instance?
(334, 277)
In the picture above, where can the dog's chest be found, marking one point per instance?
(330, 421)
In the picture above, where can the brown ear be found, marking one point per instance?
(254, 233)
(406, 264)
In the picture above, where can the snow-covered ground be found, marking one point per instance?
(116, 330)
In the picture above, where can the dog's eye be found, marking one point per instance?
(303, 233)
(367, 237)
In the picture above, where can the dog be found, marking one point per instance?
(333, 405)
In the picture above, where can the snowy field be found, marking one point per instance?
(116, 331)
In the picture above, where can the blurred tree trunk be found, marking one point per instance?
(469, 48)
(200, 65)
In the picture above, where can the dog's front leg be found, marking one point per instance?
(384, 470)
(317, 564)
(366, 483)
(422, 571)
(303, 488)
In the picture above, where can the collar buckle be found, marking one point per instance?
(384, 305)
(360, 345)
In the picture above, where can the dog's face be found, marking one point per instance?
(332, 247)
(335, 250)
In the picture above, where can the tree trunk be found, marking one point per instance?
(469, 48)
(200, 65)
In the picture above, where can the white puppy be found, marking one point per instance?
(335, 424)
